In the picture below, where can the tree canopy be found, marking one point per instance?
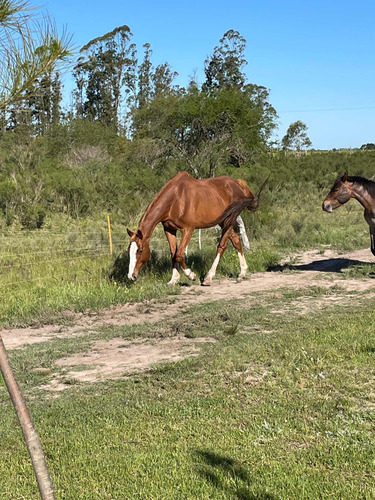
(222, 122)
(296, 137)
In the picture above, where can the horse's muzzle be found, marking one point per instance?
(327, 207)
(132, 277)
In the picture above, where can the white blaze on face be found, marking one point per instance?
(132, 259)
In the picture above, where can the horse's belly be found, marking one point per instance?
(202, 215)
(199, 207)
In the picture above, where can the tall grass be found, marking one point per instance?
(61, 268)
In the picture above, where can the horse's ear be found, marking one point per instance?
(139, 234)
(345, 177)
(130, 233)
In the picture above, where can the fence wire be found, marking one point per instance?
(51, 256)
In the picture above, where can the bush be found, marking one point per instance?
(32, 217)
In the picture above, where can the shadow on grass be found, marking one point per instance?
(336, 265)
(158, 265)
(216, 469)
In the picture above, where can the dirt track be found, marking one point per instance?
(309, 268)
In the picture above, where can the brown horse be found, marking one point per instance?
(185, 204)
(361, 189)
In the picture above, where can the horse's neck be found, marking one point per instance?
(362, 194)
(149, 220)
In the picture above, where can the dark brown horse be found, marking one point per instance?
(361, 189)
(185, 204)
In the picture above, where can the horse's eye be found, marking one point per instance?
(336, 190)
(140, 250)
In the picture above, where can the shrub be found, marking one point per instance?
(32, 217)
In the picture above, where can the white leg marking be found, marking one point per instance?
(242, 233)
(243, 265)
(211, 273)
(189, 273)
(132, 259)
(175, 277)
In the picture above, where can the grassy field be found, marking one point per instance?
(66, 265)
(279, 406)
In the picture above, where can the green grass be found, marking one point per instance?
(62, 268)
(366, 270)
(280, 406)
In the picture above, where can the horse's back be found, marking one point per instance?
(221, 183)
(196, 202)
(235, 188)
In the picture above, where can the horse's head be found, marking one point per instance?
(339, 194)
(139, 253)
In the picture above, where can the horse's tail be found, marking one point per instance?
(229, 216)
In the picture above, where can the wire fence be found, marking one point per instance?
(35, 258)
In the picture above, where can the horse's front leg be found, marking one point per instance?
(220, 250)
(172, 240)
(371, 222)
(180, 255)
(372, 237)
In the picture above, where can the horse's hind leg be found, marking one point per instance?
(372, 236)
(220, 250)
(236, 241)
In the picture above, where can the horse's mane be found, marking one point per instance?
(368, 184)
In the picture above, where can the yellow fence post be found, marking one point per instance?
(110, 235)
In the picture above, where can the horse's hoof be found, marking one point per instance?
(206, 283)
(172, 283)
(190, 274)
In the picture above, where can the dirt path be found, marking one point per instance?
(111, 358)
(306, 268)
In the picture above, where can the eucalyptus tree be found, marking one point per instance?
(296, 137)
(162, 80)
(220, 123)
(39, 107)
(153, 82)
(244, 107)
(224, 68)
(105, 76)
(144, 93)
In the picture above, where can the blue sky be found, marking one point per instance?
(316, 57)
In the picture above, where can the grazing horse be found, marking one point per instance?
(185, 204)
(361, 189)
